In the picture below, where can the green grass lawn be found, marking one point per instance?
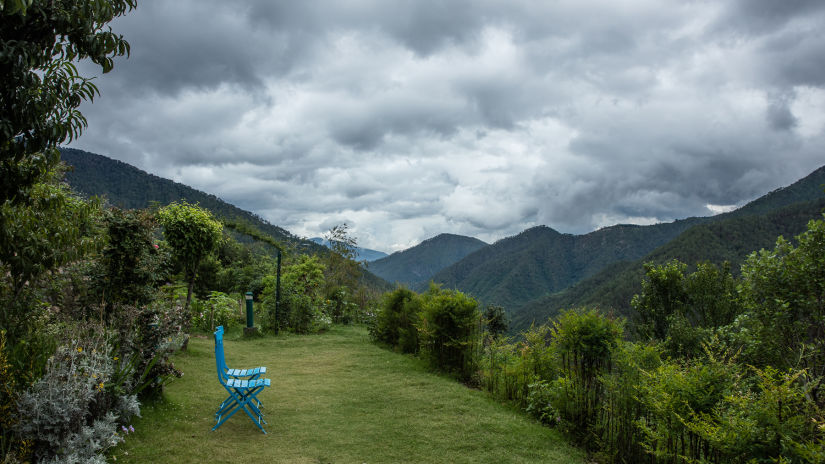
(335, 397)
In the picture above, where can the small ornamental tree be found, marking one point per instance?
(193, 233)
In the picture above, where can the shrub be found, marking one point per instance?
(218, 309)
(449, 331)
(396, 320)
(539, 403)
(584, 342)
(66, 408)
(301, 310)
(775, 419)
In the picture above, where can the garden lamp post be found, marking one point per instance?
(250, 317)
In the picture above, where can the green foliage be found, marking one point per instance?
(682, 311)
(584, 342)
(784, 292)
(131, 266)
(301, 285)
(449, 331)
(758, 425)
(52, 228)
(193, 234)
(496, 321)
(46, 233)
(128, 187)
(663, 294)
(672, 394)
(540, 403)
(341, 275)
(729, 237)
(218, 309)
(396, 322)
(41, 88)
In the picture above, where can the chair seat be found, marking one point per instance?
(246, 372)
(247, 384)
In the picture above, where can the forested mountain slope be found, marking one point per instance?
(731, 239)
(540, 261)
(415, 266)
(126, 186)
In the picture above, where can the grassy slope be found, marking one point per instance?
(335, 398)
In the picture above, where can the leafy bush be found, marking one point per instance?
(302, 305)
(777, 418)
(449, 331)
(584, 342)
(218, 309)
(540, 403)
(130, 267)
(396, 320)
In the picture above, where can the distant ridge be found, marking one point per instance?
(414, 267)
(540, 260)
(361, 254)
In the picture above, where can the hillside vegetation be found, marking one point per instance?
(126, 186)
(541, 260)
(730, 239)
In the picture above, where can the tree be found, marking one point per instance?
(342, 272)
(663, 294)
(40, 87)
(496, 321)
(783, 291)
(193, 234)
(130, 265)
(302, 282)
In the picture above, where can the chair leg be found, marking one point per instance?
(241, 401)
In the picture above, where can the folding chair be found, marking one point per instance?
(249, 374)
(242, 392)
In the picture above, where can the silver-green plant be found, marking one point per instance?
(63, 415)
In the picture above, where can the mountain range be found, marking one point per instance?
(533, 274)
(536, 273)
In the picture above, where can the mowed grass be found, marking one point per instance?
(335, 397)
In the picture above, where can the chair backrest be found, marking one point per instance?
(220, 363)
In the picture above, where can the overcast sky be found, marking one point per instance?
(406, 119)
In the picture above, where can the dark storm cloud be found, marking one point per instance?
(764, 16)
(410, 118)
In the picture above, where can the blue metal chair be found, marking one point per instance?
(249, 374)
(242, 392)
